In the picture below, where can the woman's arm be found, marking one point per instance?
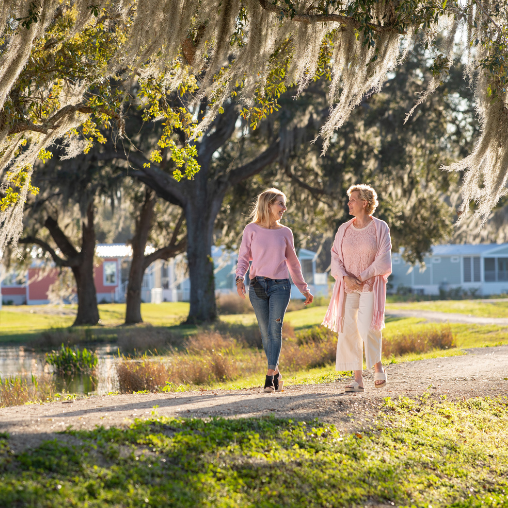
(337, 268)
(244, 258)
(244, 255)
(295, 269)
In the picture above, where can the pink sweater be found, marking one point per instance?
(272, 252)
(359, 248)
(380, 269)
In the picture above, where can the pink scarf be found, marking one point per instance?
(381, 268)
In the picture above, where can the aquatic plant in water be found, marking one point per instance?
(17, 390)
(72, 360)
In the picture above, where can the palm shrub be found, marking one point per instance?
(71, 361)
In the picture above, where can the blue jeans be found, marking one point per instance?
(270, 298)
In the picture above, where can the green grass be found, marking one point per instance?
(418, 453)
(467, 335)
(20, 324)
(493, 308)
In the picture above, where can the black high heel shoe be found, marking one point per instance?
(269, 384)
(277, 382)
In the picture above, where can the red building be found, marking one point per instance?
(29, 287)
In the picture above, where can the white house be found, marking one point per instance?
(176, 285)
(483, 267)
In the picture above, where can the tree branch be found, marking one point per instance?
(322, 18)
(177, 229)
(47, 248)
(162, 183)
(255, 166)
(53, 121)
(301, 183)
(224, 127)
(165, 253)
(61, 240)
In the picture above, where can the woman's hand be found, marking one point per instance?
(308, 297)
(353, 282)
(240, 288)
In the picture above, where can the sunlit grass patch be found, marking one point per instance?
(491, 308)
(419, 453)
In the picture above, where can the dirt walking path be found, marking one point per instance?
(481, 372)
(447, 317)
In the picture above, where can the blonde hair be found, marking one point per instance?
(367, 193)
(261, 211)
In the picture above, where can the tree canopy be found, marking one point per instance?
(60, 61)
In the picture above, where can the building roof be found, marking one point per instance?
(117, 250)
(466, 249)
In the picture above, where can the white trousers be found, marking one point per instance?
(359, 308)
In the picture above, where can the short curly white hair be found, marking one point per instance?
(366, 193)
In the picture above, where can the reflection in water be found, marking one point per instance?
(20, 361)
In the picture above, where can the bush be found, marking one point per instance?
(140, 375)
(16, 390)
(54, 337)
(438, 337)
(71, 361)
(146, 338)
(233, 304)
(295, 305)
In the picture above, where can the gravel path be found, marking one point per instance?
(481, 372)
(447, 317)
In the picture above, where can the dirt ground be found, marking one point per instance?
(481, 372)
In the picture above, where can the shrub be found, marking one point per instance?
(210, 341)
(70, 361)
(233, 304)
(438, 337)
(140, 375)
(295, 305)
(16, 390)
(54, 337)
(147, 338)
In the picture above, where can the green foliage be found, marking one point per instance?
(18, 390)
(71, 361)
(419, 453)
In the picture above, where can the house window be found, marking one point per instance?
(489, 265)
(467, 269)
(472, 269)
(455, 259)
(477, 272)
(109, 273)
(437, 259)
(308, 270)
(502, 269)
(396, 260)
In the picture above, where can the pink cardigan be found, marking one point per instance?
(381, 268)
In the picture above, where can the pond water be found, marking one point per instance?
(22, 361)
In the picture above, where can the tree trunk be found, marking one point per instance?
(200, 217)
(143, 225)
(88, 312)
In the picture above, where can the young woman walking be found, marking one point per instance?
(270, 247)
(361, 264)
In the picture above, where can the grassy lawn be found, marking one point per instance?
(494, 309)
(418, 453)
(19, 324)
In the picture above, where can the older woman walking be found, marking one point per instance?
(361, 264)
(270, 247)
